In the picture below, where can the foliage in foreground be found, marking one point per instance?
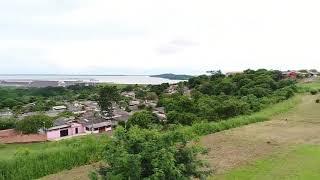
(151, 154)
(56, 157)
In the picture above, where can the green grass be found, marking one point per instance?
(307, 87)
(7, 151)
(303, 162)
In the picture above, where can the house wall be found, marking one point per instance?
(96, 132)
(72, 130)
(55, 134)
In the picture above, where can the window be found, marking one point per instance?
(64, 133)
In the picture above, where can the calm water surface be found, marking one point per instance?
(87, 78)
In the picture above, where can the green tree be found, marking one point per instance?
(143, 119)
(151, 154)
(107, 96)
(32, 124)
(174, 117)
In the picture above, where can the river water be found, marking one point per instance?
(117, 79)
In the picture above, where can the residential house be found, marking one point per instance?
(233, 73)
(5, 113)
(160, 112)
(290, 74)
(64, 127)
(172, 89)
(96, 125)
(133, 105)
(130, 94)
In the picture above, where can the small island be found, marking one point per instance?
(173, 76)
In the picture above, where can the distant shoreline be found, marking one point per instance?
(59, 79)
(70, 75)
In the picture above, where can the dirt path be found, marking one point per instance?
(239, 146)
(79, 173)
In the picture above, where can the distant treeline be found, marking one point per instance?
(217, 97)
(43, 99)
(173, 76)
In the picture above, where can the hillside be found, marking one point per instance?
(173, 76)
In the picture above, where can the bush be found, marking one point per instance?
(314, 92)
(2, 146)
(174, 117)
(318, 101)
(151, 154)
(7, 123)
(32, 124)
(143, 119)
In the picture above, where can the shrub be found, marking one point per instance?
(318, 101)
(32, 124)
(314, 92)
(143, 119)
(2, 146)
(151, 154)
(7, 123)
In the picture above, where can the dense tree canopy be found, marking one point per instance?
(218, 97)
(143, 119)
(43, 99)
(150, 154)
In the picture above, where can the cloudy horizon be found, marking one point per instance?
(153, 36)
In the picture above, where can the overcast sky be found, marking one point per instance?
(157, 36)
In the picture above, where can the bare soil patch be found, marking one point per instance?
(79, 173)
(239, 146)
(11, 136)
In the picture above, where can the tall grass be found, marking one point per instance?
(69, 154)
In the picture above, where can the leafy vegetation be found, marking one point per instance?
(32, 124)
(22, 100)
(107, 96)
(150, 154)
(7, 123)
(143, 119)
(47, 158)
(314, 92)
(152, 149)
(218, 97)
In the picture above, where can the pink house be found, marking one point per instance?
(68, 129)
